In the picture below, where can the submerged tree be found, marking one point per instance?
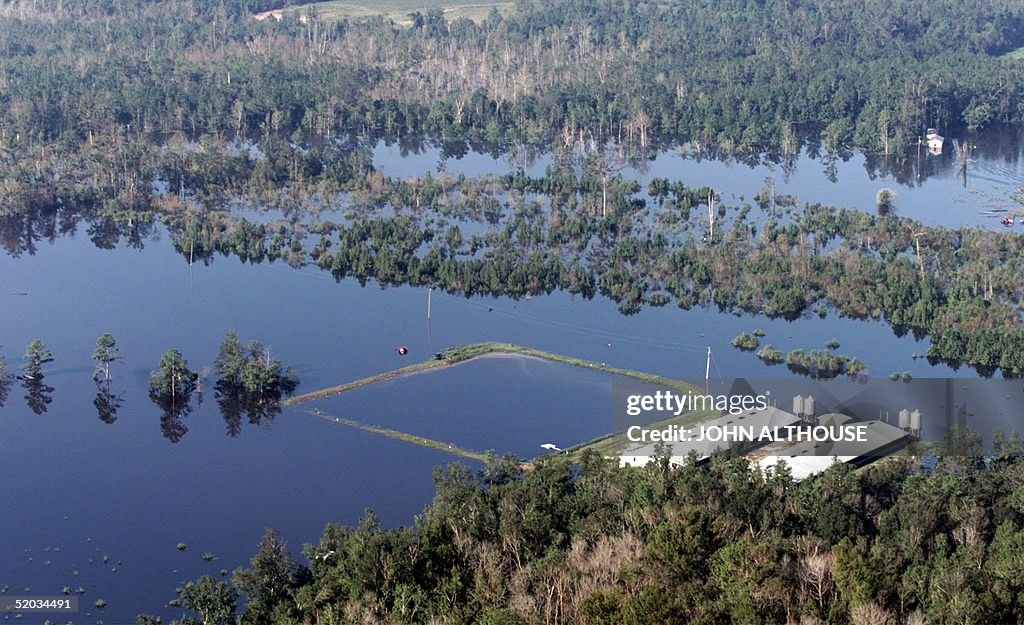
(230, 359)
(885, 201)
(106, 353)
(174, 378)
(39, 394)
(36, 355)
(251, 382)
(171, 388)
(261, 374)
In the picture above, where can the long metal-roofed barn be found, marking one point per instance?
(809, 457)
(770, 417)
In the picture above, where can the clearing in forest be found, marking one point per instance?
(399, 11)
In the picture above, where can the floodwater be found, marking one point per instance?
(103, 506)
(935, 189)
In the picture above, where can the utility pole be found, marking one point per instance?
(919, 158)
(707, 372)
(430, 291)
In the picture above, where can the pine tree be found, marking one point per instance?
(174, 377)
(105, 354)
(36, 355)
(231, 360)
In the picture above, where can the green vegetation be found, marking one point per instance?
(746, 341)
(251, 383)
(171, 388)
(36, 355)
(583, 541)
(885, 201)
(213, 601)
(823, 364)
(215, 80)
(39, 395)
(106, 402)
(173, 378)
(106, 353)
(770, 355)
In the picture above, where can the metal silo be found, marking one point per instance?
(915, 422)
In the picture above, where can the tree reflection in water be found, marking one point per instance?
(107, 403)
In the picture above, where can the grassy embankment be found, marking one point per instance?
(397, 11)
(403, 436)
(606, 445)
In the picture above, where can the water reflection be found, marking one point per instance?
(21, 232)
(235, 404)
(174, 409)
(39, 394)
(251, 383)
(107, 403)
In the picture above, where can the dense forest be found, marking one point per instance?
(593, 544)
(105, 97)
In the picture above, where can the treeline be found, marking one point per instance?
(582, 228)
(101, 82)
(594, 544)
